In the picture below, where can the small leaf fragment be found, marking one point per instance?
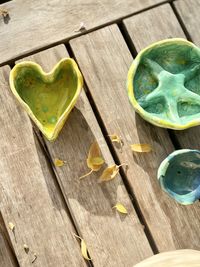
(119, 207)
(116, 139)
(81, 27)
(84, 250)
(26, 248)
(3, 12)
(58, 162)
(94, 159)
(141, 148)
(34, 258)
(11, 226)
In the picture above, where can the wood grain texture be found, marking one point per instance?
(26, 198)
(6, 257)
(35, 24)
(189, 13)
(112, 239)
(104, 60)
(153, 25)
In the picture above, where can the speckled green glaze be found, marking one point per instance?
(164, 84)
(179, 175)
(47, 97)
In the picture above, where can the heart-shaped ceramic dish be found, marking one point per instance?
(164, 84)
(48, 98)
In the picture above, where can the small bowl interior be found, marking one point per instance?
(174, 58)
(182, 175)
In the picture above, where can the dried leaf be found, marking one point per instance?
(141, 148)
(84, 250)
(26, 248)
(11, 226)
(119, 207)
(59, 162)
(81, 27)
(35, 258)
(116, 139)
(94, 159)
(110, 172)
(3, 12)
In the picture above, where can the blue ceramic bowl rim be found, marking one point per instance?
(182, 199)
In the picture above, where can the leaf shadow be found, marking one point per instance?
(72, 146)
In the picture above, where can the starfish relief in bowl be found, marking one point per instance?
(48, 98)
(164, 84)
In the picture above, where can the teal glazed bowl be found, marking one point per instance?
(164, 84)
(179, 175)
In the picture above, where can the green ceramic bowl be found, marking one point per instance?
(48, 98)
(164, 84)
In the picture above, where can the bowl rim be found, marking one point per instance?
(162, 170)
(48, 75)
(130, 88)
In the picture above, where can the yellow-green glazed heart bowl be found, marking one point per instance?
(48, 98)
(164, 84)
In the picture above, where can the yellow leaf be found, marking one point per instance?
(141, 148)
(59, 162)
(11, 226)
(84, 250)
(94, 159)
(116, 139)
(119, 207)
(3, 12)
(109, 173)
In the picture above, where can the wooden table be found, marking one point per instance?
(48, 204)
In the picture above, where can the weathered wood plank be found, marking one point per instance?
(189, 13)
(6, 257)
(34, 24)
(153, 25)
(27, 200)
(112, 239)
(104, 60)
